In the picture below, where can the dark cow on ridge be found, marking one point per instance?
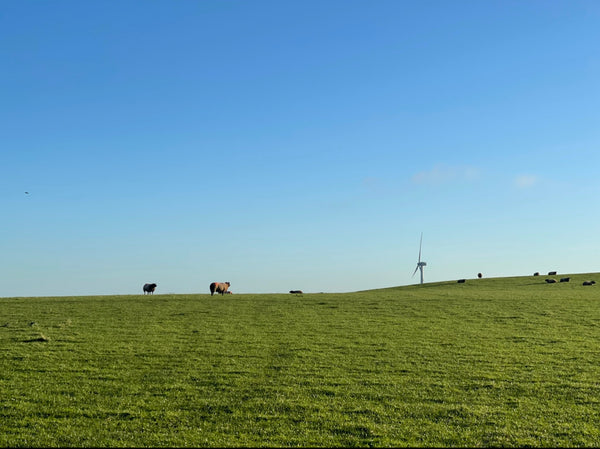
(551, 281)
(149, 288)
(479, 275)
(219, 287)
(296, 292)
(589, 282)
(551, 273)
(565, 279)
(461, 281)
(537, 273)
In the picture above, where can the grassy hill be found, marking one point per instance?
(491, 362)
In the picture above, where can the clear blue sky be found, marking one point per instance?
(295, 144)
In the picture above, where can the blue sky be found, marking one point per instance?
(295, 144)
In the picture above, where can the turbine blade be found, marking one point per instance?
(420, 243)
(413, 275)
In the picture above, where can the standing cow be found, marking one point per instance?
(219, 287)
(149, 288)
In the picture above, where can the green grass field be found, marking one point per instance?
(492, 362)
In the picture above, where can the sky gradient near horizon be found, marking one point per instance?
(295, 144)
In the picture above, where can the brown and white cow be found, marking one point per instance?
(219, 287)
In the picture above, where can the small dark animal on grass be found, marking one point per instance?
(551, 273)
(461, 281)
(565, 279)
(551, 281)
(296, 292)
(537, 273)
(589, 282)
(149, 288)
(219, 287)
(479, 275)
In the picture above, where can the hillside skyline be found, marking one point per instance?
(295, 145)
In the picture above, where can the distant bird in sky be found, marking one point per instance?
(26, 193)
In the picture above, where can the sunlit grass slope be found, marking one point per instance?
(491, 362)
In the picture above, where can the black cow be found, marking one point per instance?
(551, 273)
(589, 282)
(565, 279)
(461, 281)
(296, 292)
(149, 288)
(537, 273)
(551, 281)
(479, 275)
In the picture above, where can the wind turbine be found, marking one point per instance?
(420, 264)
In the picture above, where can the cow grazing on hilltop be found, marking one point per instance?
(219, 287)
(551, 273)
(551, 281)
(537, 273)
(461, 281)
(479, 275)
(565, 279)
(149, 288)
(296, 292)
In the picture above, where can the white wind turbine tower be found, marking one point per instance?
(420, 264)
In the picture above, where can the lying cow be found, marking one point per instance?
(149, 288)
(461, 281)
(589, 282)
(219, 287)
(551, 281)
(565, 279)
(551, 273)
